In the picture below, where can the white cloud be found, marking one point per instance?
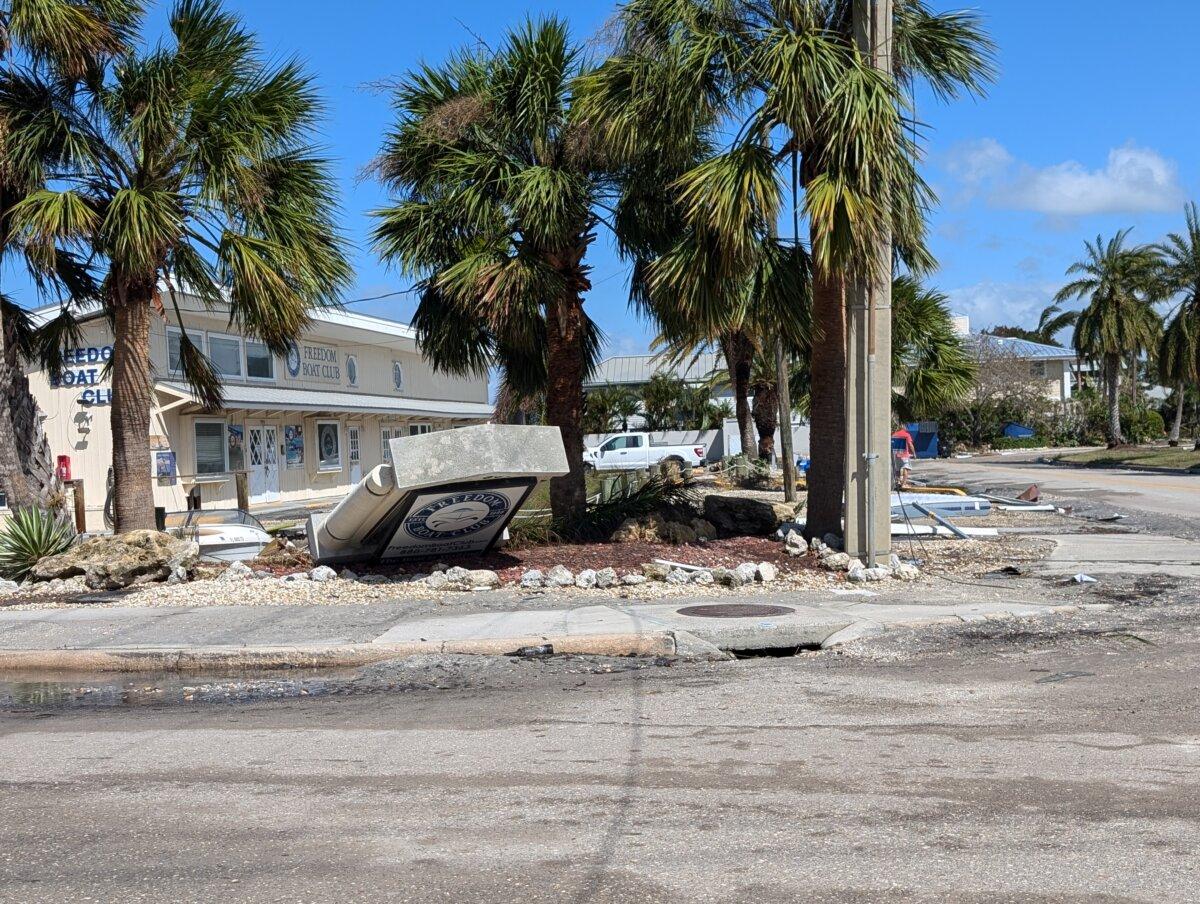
(1133, 180)
(974, 162)
(991, 303)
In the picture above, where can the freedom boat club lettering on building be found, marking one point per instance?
(314, 362)
(85, 367)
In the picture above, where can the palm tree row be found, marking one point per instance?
(1123, 284)
(131, 171)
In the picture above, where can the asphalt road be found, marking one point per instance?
(993, 763)
(1165, 503)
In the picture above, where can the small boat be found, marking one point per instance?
(224, 535)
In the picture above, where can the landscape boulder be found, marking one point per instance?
(560, 576)
(741, 516)
(113, 562)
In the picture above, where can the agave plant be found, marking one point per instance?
(31, 535)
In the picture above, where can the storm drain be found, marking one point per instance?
(734, 610)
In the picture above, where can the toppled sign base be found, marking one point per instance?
(446, 493)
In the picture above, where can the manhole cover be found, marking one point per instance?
(734, 610)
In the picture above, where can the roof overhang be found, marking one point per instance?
(317, 402)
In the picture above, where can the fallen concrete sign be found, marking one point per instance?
(446, 493)
(946, 505)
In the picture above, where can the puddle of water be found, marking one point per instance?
(33, 691)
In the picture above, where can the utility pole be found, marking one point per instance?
(869, 353)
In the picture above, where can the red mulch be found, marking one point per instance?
(624, 557)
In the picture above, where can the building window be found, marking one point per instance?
(329, 446)
(385, 444)
(210, 447)
(352, 370)
(260, 363)
(418, 429)
(174, 352)
(1038, 369)
(397, 376)
(225, 352)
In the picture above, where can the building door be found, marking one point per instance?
(264, 464)
(353, 436)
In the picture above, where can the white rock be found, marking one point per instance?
(767, 572)
(906, 572)
(458, 575)
(605, 577)
(632, 580)
(237, 571)
(586, 579)
(7, 586)
(437, 580)
(560, 576)
(483, 579)
(836, 561)
(894, 561)
(704, 578)
(794, 540)
(747, 573)
(678, 576)
(854, 564)
(860, 575)
(178, 575)
(322, 573)
(533, 579)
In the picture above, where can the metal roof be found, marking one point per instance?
(1023, 348)
(634, 370)
(274, 398)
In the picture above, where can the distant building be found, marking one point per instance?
(635, 371)
(1052, 363)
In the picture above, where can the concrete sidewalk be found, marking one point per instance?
(1122, 554)
(292, 636)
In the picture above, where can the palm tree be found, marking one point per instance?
(1121, 284)
(608, 405)
(187, 165)
(930, 362)
(1179, 350)
(500, 187)
(63, 39)
(789, 69)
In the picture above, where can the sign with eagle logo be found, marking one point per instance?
(459, 519)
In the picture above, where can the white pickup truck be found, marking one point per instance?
(632, 451)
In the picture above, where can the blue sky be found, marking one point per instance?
(1091, 127)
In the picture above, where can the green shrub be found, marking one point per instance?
(1142, 425)
(29, 536)
(1019, 442)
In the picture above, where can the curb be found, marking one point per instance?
(200, 659)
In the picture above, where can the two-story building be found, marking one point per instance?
(302, 427)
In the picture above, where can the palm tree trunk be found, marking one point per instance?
(20, 489)
(1112, 379)
(1177, 424)
(133, 494)
(739, 351)
(564, 401)
(827, 471)
(766, 417)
